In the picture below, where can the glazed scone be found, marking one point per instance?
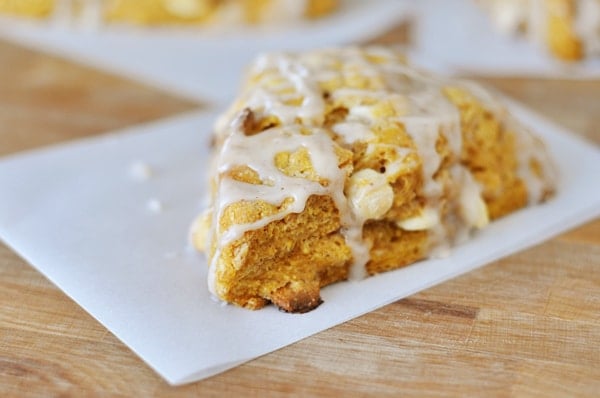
(569, 29)
(27, 8)
(171, 12)
(157, 12)
(343, 163)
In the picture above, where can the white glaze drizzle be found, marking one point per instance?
(351, 131)
(281, 186)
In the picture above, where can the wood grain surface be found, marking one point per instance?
(527, 325)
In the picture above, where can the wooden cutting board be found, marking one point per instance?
(527, 325)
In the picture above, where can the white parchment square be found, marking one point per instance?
(77, 214)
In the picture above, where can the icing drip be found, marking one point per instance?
(297, 77)
(281, 186)
(350, 132)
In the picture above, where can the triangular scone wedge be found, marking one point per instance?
(344, 163)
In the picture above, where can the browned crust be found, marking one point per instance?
(289, 299)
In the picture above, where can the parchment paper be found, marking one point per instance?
(107, 221)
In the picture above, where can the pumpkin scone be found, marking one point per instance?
(343, 163)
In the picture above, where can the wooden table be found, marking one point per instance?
(525, 325)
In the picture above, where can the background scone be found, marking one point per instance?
(569, 29)
(28, 8)
(169, 12)
(342, 163)
(153, 12)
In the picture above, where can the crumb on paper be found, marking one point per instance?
(171, 255)
(155, 206)
(140, 171)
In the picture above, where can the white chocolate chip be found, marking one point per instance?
(369, 194)
(472, 207)
(474, 210)
(428, 219)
